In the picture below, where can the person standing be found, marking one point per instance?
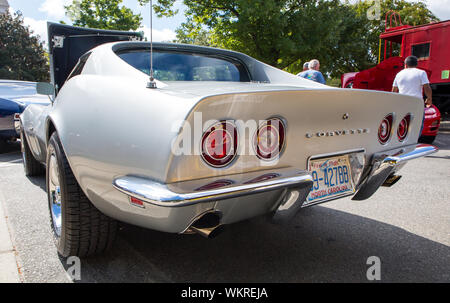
(413, 81)
(305, 69)
(313, 72)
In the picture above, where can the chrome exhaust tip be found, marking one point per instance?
(207, 225)
(391, 180)
(208, 232)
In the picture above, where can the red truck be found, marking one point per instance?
(430, 43)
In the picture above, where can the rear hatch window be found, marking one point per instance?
(185, 66)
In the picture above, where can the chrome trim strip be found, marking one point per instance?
(171, 195)
(421, 150)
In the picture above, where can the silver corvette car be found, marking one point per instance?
(217, 138)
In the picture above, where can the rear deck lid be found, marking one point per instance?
(68, 43)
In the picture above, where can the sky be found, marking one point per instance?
(37, 12)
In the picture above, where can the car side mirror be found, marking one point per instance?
(48, 89)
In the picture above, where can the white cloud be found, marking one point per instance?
(441, 8)
(54, 8)
(39, 27)
(166, 35)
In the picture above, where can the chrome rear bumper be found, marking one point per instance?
(385, 165)
(291, 186)
(175, 207)
(211, 189)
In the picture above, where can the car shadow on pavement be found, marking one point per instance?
(9, 147)
(319, 245)
(38, 181)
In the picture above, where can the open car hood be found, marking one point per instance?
(68, 43)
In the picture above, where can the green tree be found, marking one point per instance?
(189, 34)
(287, 33)
(282, 33)
(22, 55)
(103, 14)
(277, 32)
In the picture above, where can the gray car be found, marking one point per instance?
(217, 138)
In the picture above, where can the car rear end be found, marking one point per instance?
(9, 113)
(267, 149)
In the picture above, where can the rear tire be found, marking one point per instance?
(30, 165)
(79, 228)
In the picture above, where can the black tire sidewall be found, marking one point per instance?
(24, 150)
(31, 166)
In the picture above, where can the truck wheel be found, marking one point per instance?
(31, 166)
(79, 228)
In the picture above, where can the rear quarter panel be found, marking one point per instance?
(34, 123)
(112, 126)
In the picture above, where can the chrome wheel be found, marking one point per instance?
(54, 191)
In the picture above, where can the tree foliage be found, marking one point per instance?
(103, 14)
(22, 55)
(411, 13)
(287, 33)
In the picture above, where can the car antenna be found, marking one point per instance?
(151, 83)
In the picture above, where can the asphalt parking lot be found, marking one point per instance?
(406, 226)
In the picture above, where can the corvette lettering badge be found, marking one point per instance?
(343, 132)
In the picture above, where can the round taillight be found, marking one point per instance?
(385, 129)
(219, 144)
(403, 128)
(269, 139)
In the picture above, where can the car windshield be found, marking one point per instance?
(180, 66)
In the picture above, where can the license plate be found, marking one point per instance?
(332, 178)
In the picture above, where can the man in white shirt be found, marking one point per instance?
(412, 81)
